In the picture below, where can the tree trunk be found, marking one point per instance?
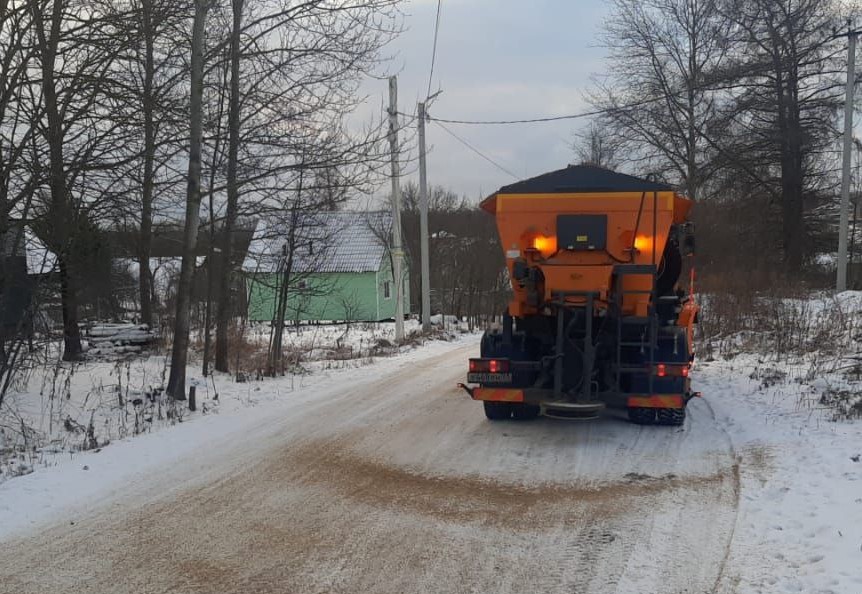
(179, 354)
(61, 216)
(71, 333)
(691, 181)
(145, 247)
(225, 282)
(790, 140)
(275, 358)
(275, 361)
(211, 256)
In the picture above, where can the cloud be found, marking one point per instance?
(496, 59)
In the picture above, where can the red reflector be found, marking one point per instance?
(685, 371)
(661, 370)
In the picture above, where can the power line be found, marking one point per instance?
(434, 50)
(475, 150)
(574, 116)
(524, 121)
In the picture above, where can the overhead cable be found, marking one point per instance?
(434, 49)
(475, 150)
(574, 116)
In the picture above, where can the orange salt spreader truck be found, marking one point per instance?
(598, 317)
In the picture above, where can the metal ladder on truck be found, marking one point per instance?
(628, 325)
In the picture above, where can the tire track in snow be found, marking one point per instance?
(737, 492)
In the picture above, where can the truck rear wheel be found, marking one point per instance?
(671, 416)
(642, 415)
(498, 411)
(525, 412)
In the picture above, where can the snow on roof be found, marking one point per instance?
(40, 260)
(327, 242)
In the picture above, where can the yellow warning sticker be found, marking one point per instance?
(583, 238)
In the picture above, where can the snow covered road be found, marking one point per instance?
(397, 483)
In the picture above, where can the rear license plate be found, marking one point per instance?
(489, 378)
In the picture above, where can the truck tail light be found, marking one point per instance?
(671, 370)
(489, 365)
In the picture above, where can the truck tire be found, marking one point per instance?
(525, 412)
(642, 416)
(498, 411)
(673, 417)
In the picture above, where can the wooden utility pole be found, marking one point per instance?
(397, 254)
(844, 221)
(423, 225)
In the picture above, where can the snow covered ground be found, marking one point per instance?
(70, 479)
(356, 471)
(799, 520)
(346, 341)
(58, 409)
(389, 479)
(795, 421)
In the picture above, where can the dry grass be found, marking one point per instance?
(784, 321)
(801, 337)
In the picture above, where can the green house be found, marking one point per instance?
(340, 269)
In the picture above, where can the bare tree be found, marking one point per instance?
(306, 236)
(783, 108)
(233, 126)
(75, 47)
(179, 354)
(294, 70)
(18, 175)
(467, 263)
(597, 146)
(156, 76)
(656, 95)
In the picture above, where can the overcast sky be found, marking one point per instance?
(496, 59)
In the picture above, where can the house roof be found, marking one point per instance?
(326, 242)
(583, 178)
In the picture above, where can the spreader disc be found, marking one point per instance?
(572, 410)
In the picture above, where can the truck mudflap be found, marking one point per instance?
(497, 394)
(657, 401)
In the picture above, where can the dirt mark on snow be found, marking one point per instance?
(333, 467)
